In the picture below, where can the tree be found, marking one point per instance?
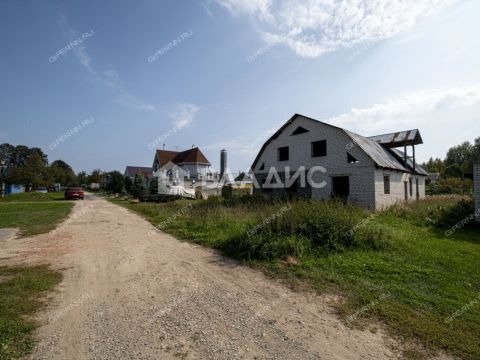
(32, 173)
(115, 182)
(434, 166)
(128, 184)
(82, 177)
(96, 177)
(63, 173)
(139, 187)
(461, 155)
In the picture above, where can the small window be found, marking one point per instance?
(300, 130)
(411, 187)
(319, 148)
(351, 159)
(262, 167)
(283, 154)
(386, 184)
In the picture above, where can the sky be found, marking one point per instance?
(101, 84)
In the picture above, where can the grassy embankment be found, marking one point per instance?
(22, 289)
(397, 266)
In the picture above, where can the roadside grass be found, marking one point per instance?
(21, 293)
(33, 197)
(397, 266)
(33, 218)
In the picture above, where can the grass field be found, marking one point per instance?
(397, 267)
(33, 196)
(33, 218)
(21, 291)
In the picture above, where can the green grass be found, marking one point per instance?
(398, 267)
(33, 218)
(21, 293)
(33, 196)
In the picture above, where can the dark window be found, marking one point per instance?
(319, 148)
(283, 154)
(300, 130)
(386, 184)
(262, 167)
(351, 159)
(411, 187)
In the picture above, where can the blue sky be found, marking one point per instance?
(227, 73)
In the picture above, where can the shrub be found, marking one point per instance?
(307, 227)
(451, 186)
(440, 211)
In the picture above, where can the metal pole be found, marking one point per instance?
(413, 148)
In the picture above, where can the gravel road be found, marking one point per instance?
(129, 293)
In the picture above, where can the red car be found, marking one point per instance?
(74, 193)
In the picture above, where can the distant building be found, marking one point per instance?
(476, 189)
(309, 158)
(180, 173)
(131, 171)
(14, 189)
(243, 179)
(192, 163)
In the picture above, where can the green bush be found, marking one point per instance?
(439, 211)
(302, 228)
(451, 186)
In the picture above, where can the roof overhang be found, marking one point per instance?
(399, 139)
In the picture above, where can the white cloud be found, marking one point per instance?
(410, 109)
(112, 80)
(312, 28)
(183, 115)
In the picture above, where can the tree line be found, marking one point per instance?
(458, 162)
(29, 167)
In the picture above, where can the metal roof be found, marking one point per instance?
(381, 156)
(397, 139)
(380, 153)
(418, 169)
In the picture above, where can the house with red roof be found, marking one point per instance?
(189, 164)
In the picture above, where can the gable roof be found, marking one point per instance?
(380, 155)
(131, 171)
(191, 156)
(165, 156)
(243, 177)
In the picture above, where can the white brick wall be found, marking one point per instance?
(361, 174)
(476, 174)
(397, 188)
(366, 181)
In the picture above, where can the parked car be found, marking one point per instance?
(42, 190)
(74, 193)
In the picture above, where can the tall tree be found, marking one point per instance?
(63, 173)
(139, 187)
(82, 178)
(115, 182)
(461, 155)
(32, 174)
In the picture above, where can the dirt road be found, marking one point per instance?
(131, 294)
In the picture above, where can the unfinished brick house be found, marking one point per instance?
(370, 172)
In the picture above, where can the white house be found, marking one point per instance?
(191, 162)
(310, 158)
